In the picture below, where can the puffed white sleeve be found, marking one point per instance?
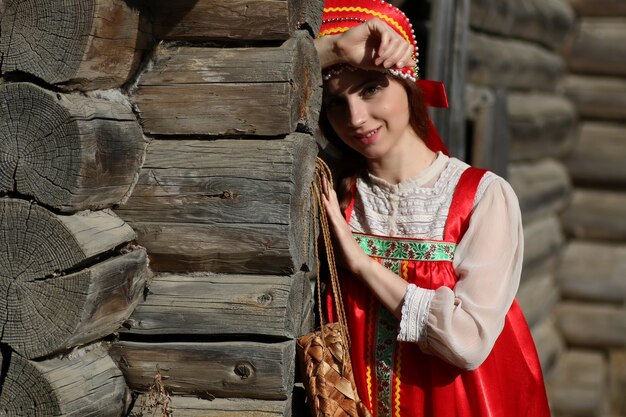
(462, 324)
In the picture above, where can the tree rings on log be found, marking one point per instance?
(268, 91)
(64, 280)
(219, 369)
(547, 22)
(593, 271)
(513, 64)
(86, 44)
(541, 125)
(596, 214)
(85, 383)
(67, 151)
(599, 47)
(543, 187)
(607, 8)
(235, 206)
(598, 157)
(599, 98)
(263, 20)
(236, 305)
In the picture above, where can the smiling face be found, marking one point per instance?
(369, 112)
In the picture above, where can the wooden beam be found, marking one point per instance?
(606, 8)
(512, 64)
(547, 22)
(543, 239)
(269, 91)
(67, 151)
(264, 20)
(85, 383)
(236, 305)
(597, 98)
(593, 271)
(542, 125)
(549, 343)
(599, 47)
(220, 369)
(84, 44)
(543, 187)
(592, 325)
(596, 214)
(64, 281)
(598, 157)
(215, 407)
(236, 206)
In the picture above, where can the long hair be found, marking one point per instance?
(352, 164)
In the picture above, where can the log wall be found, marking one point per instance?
(514, 62)
(171, 134)
(590, 276)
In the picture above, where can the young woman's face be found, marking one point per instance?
(369, 111)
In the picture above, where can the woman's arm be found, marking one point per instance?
(462, 324)
(371, 45)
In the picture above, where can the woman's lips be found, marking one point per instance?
(369, 137)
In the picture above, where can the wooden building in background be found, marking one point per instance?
(155, 212)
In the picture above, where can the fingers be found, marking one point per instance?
(393, 50)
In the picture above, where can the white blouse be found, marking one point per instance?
(460, 324)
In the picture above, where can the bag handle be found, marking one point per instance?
(323, 174)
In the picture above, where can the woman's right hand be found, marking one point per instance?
(370, 45)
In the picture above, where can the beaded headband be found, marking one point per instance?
(341, 15)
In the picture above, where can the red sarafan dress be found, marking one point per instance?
(397, 379)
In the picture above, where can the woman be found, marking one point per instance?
(431, 247)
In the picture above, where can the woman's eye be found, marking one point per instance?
(334, 102)
(370, 91)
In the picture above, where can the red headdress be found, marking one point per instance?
(341, 15)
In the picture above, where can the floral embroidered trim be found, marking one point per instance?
(410, 250)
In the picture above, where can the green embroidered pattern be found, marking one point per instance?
(386, 332)
(410, 250)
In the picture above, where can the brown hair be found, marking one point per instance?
(352, 164)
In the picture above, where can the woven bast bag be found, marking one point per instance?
(324, 355)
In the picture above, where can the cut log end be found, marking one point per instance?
(88, 383)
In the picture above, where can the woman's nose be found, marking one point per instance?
(357, 113)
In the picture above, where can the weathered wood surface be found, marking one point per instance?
(547, 22)
(577, 385)
(592, 325)
(617, 381)
(86, 44)
(541, 125)
(543, 240)
(238, 206)
(549, 343)
(595, 214)
(537, 297)
(85, 383)
(219, 369)
(263, 20)
(64, 281)
(599, 155)
(593, 271)
(211, 304)
(67, 151)
(217, 407)
(600, 98)
(599, 47)
(498, 62)
(231, 91)
(487, 110)
(608, 8)
(543, 187)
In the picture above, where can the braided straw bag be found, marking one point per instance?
(324, 355)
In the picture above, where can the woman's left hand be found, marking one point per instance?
(352, 256)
